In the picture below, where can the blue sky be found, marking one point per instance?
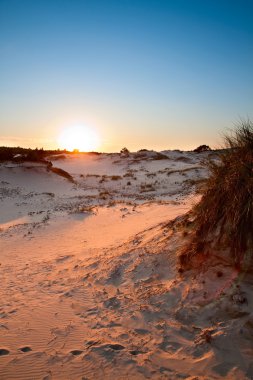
(144, 74)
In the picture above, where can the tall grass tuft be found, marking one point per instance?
(224, 216)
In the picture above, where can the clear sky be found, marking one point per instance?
(159, 74)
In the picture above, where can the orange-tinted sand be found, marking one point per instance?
(89, 281)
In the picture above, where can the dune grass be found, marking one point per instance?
(224, 216)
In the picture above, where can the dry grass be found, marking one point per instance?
(224, 216)
(146, 187)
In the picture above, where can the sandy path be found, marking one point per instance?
(83, 299)
(48, 308)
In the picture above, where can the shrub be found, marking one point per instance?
(124, 152)
(202, 148)
(224, 216)
(19, 154)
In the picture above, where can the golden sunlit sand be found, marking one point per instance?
(90, 287)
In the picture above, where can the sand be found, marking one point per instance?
(90, 287)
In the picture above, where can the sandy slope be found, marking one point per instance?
(89, 283)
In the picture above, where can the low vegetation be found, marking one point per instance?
(124, 152)
(19, 154)
(223, 219)
(202, 148)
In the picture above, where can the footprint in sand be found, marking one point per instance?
(112, 303)
(3, 352)
(116, 347)
(141, 331)
(25, 349)
(135, 352)
(76, 352)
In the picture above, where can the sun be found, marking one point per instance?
(78, 137)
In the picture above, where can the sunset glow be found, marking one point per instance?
(78, 137)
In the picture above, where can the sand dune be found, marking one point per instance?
(89, 281)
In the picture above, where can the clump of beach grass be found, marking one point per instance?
(223, 219)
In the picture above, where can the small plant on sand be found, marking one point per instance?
(124, 152)
(202, 148)
(115, 177)
(223, 219)
(146, 187)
